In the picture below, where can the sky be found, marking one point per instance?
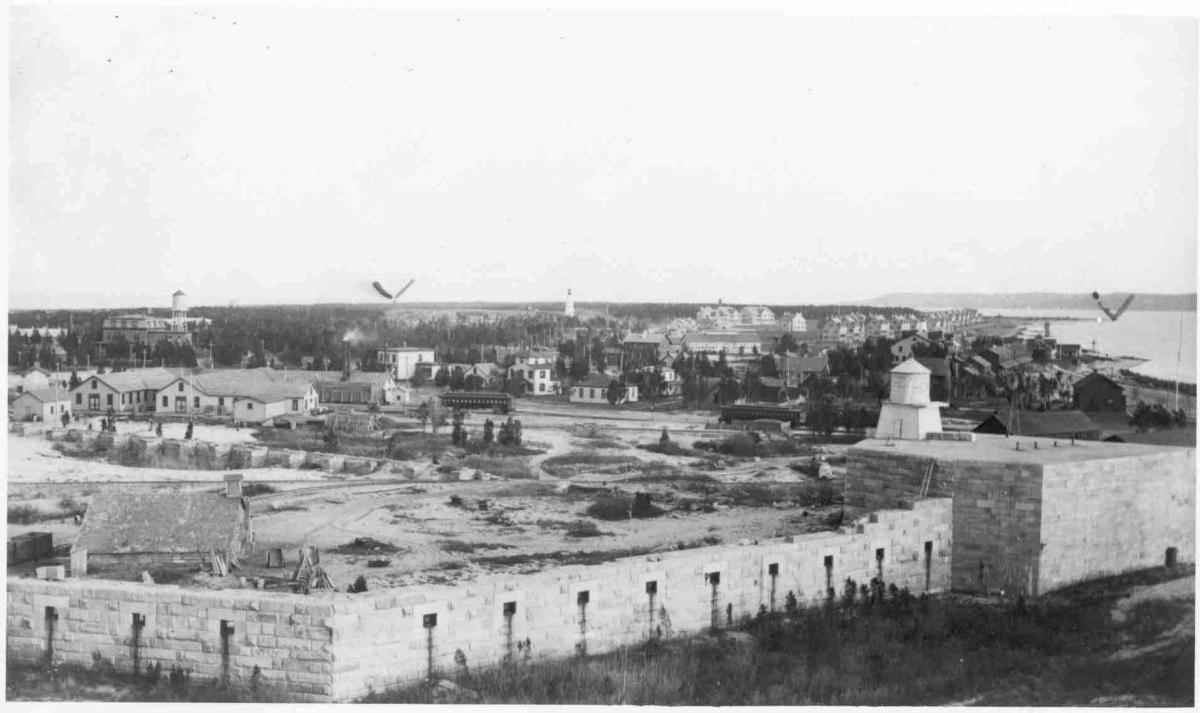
(293, 155)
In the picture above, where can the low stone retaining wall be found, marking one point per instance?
(146, 451)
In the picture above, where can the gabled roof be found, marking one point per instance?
(804, 364)
(1095, 378)
(593, 381)
(379, 378)
(936, 365)
(914, 337)
(47, 396)
(725, 337)
(136, 379)
(167, 521)
(1039, 423)
(655, 339)
(271, 393)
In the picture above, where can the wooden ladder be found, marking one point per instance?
(928, 479)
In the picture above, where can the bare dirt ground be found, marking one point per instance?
(521, 525)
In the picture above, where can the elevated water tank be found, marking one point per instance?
(179, 301)
(910, 383)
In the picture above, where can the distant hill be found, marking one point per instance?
(1149, 302)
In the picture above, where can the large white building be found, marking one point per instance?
(403, 360)
(756, 315)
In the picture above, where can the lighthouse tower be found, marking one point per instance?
(570, 308)
(908, 413)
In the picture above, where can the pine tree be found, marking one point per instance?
(74, 381)
(489, 431)
(188, 433)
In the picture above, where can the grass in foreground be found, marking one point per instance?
(881, 649)
(877, 648)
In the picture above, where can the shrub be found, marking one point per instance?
(252, 489)
(72, 507)
(737, 444)
(359, 586)
(24, 514)
(583, 528)
(130, 453)
(668, 448)
(613, 507)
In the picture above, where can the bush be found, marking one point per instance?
(737, 444)
(252, 489)
(359, 586)
(24, 515)
(668, 448)
(615, 507)
(72, 507)
(131, 453)
(583, 528)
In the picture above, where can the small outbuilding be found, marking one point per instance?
(157, 528)
(1097, 392)
(47, 405)
(1041, 424)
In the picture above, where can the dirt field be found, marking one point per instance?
(458, 515)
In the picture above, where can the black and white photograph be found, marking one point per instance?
(562, 353)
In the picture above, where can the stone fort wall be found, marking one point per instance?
(339, 646)
(1031, 527)
(1106, 517)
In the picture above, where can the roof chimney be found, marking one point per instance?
(233, 485)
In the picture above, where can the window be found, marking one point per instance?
(78, 399)
(181, 386)
(652, 587)
(510, 608)
(220, 400)
(582, 598)
(591, 393)
(541, 387)
(196, 402)
(249, 406)
(94, 385)
(429, 621)
(166, 401)
(51, 409)
(110, 399)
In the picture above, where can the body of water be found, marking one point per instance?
(1148, 335)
